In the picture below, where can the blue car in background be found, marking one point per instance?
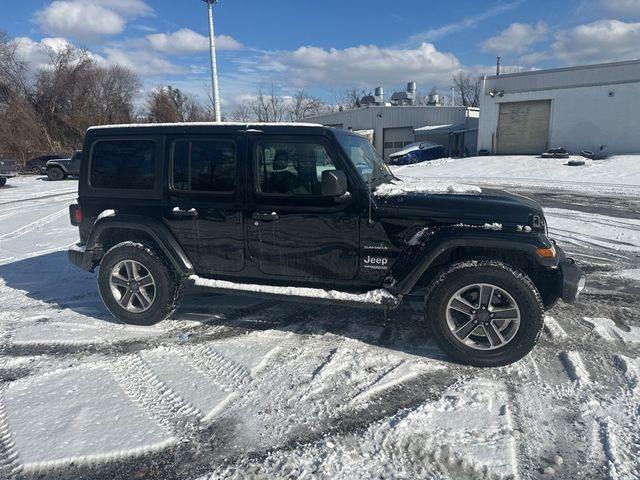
(416, 153)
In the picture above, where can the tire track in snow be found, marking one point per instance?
(205, 358)
(144, 387)
(553, 329)
(41, 197)
(10, 465)
(33, 225)
(575, 368)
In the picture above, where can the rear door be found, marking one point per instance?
(295, 232)
(205, 208)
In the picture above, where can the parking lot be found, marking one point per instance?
(241, 387)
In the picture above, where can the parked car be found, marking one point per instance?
(38, 165)
(8, 169)
(62, 168)
(310, 213)
(416, 153)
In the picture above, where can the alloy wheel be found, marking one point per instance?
(483, 316)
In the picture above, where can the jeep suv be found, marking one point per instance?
(8, 169)
(61, 168)
(310, 213)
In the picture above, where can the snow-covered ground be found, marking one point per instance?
(248, 388)
(618, 175)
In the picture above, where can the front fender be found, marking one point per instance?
(154, 228)
(58, 165)
(417, 258)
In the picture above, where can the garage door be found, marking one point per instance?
(523, 127)
(395, 139)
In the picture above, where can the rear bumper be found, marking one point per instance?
(81, 257)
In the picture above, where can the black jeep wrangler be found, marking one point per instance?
(310, 213)
(61, 168)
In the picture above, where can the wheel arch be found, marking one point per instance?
(115, 229)
(448, 248)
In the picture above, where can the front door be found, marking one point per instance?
(294, 232)
(206, 201)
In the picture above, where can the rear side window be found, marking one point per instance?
(204, 166)
(123, 164)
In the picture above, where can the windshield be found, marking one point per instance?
(371, 168)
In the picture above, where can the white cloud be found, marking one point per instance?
(622, 7)
(518, 37)
(600, 41)
(365, 65)
(461, 25)
(143, 62)
(88, 19)
(38, 54)
(185, 41)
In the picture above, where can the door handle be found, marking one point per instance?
(265, 217)
(184, 212)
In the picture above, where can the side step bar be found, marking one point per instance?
(379, 299)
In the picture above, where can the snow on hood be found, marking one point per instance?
(424, 186)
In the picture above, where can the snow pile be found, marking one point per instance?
(618, 174)
(376, 297)
(424, 186)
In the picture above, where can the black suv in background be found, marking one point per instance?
(310, 213)
(60, 169)
(38, 165)
(8, 169)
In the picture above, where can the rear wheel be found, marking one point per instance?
(3, 181)
(485, 313)
(138, 285)
(55, 174)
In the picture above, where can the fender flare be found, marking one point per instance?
(417, 259)
(58, 165)
(154, 228)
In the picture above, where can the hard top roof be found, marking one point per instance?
(205, 127)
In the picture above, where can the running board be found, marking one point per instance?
(381, 298)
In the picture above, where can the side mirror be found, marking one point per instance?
(334, 183)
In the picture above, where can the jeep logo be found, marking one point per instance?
(376, 263)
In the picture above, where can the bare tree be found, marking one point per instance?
(468, 89)
(167, 104)
(270, 107)
(303, 106)
(242, 113)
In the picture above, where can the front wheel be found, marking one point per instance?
(55, 174)
(3, 181)
(137, 285)
(485, 313)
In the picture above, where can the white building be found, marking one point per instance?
(391, 128)
(579, 108)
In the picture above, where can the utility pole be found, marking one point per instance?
(498, 66)
(214, 64)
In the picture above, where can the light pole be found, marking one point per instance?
(214, 64)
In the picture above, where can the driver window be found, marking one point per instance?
(292, 168)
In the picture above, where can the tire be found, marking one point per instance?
(470, 338)
(413, 159)
(55, 174)
(36, 170)
(3, 181)
(116, 268)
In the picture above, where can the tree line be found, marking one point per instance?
(48, 109)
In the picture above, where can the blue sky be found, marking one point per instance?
(326, 47)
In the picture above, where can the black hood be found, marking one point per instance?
(490, 206)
